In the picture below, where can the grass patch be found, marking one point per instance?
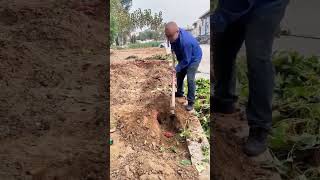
(116, 47)
(137, 45)
(144, 45)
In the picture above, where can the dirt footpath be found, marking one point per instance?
(52, 67)
(140, 102)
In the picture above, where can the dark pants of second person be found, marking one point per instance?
(257, 30)
(191, 73)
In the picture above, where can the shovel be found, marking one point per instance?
(173, 101)
(173, 90)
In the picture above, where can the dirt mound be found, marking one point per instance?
(126, 54)
(229, 162)
(140, 102)
(52, 62)
(146, 93)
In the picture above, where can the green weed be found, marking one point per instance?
(202, 103)
(186, 133)
(296, 112)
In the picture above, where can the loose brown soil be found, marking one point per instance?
(52, 64)
(136, 53)
(229, 162)
(140, 102)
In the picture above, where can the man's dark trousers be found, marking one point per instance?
(190, 71)
(257, 29)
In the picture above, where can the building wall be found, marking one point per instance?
(196, 29)
(301, 18)
(205, 26)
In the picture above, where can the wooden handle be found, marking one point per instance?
(173, 98)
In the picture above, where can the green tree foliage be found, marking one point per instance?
(149, 34)
(141, 19)
(122, 22)
(119, 19)
(113, 29)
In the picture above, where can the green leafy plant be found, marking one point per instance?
(296, 113)
(200, 167)
(162, 149)
(185, 162)
(186, 133)
(205, 151)
(202, 103)
(174, 149)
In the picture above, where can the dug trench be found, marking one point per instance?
(147, 143)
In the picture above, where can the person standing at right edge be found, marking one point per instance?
(253, 22)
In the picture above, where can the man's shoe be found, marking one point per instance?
(178, 95)
(189, 107)
(257, 142)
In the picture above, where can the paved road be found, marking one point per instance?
(307, 47)
(204, 66)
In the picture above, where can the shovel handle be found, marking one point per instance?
(173, 102)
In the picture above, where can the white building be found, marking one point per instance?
(205, 24)
(201, 28)
(196, 28)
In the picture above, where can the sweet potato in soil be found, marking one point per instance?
(52, 110)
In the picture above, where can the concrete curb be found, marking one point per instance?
(196, 143)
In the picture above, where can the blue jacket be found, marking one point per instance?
(187, 50)
(229, 11)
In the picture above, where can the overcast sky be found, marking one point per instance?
(184, 12)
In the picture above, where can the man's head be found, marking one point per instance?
(172, 31)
